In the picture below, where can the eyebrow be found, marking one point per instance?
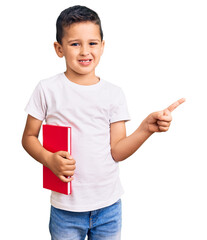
(76, 40)
(98, 40)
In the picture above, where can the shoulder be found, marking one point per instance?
(51, 82)
(112, 88)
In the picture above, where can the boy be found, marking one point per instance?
(96, 110)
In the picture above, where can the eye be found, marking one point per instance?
(93, 43)
(75, 44)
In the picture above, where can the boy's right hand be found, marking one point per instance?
(62, 165)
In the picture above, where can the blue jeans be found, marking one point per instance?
(101, 224)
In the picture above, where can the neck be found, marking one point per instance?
(82, 79)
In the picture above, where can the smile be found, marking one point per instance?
(85, 61)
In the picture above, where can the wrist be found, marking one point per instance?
(46, 156)
(144, 128)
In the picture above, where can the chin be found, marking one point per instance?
(85, 71)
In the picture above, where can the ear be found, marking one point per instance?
(59, 49)
(102, 46)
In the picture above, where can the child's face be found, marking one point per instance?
(82, 48)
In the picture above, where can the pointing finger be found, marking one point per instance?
(173, 106)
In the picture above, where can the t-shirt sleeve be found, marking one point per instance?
(37, 106)
(119, 109)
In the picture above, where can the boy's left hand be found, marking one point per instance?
(160, 121)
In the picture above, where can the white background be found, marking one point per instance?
(157, 52)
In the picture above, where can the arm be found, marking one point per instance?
(60, 163)
(122, 147)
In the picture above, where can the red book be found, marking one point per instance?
(56, 138)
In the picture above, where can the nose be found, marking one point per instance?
(84, 50)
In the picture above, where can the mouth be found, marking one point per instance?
(85, 62)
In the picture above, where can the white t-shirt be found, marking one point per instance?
(89, 110)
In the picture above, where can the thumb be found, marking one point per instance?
(166, 112)
(66, 179)
(65, 154)
(157, 115)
